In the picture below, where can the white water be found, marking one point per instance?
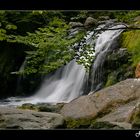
(64, 85)
(63, 89)
(104, 44)
(106, 37)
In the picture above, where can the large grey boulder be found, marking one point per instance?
(114, 105)
(12, 118)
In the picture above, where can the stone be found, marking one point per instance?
(110, 125)
(136, 19)
(135, 117)
(137, 71)
(90, 22)
(112, 105)
(104, 18)
(75, 24)
(42, 107)
(12, 118)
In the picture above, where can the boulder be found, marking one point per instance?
(113, 105)
(90, 22)
(12, 118)
(137, 71)
(136, 19)
(75, 24)
(104, 18)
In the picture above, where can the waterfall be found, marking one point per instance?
(105, 43)
(70, 81)
(66, 84)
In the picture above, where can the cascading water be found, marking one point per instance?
(105, 43)
(70, 81)
(65, 85)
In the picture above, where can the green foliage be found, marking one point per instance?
(45, 32)
(2, 34)
(86, 57)
(51, 47)
(11, 27)
(126, 16)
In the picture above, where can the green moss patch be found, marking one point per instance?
(131, 41)
(78, 123)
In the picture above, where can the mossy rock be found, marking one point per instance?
(89, 123)
(71, 123)
(131, 41)
(104, 125)
(135, 118)
(111, 80)
(118, 66)
(42, 107)
(28, 106)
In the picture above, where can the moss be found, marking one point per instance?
(131, 41)
(88, 123)
(104, 125)
(78, 123)
(111, 80)
(42, 107)
(28, 106)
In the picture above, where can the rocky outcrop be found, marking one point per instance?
(11, 118)
(114, 105)
(90, 22)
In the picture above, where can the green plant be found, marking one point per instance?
(51, 47)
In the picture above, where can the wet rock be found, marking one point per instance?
(11, 118)
(90, 22)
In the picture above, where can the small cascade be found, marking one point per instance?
(105, 43)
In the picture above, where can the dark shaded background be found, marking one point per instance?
(70, 4)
